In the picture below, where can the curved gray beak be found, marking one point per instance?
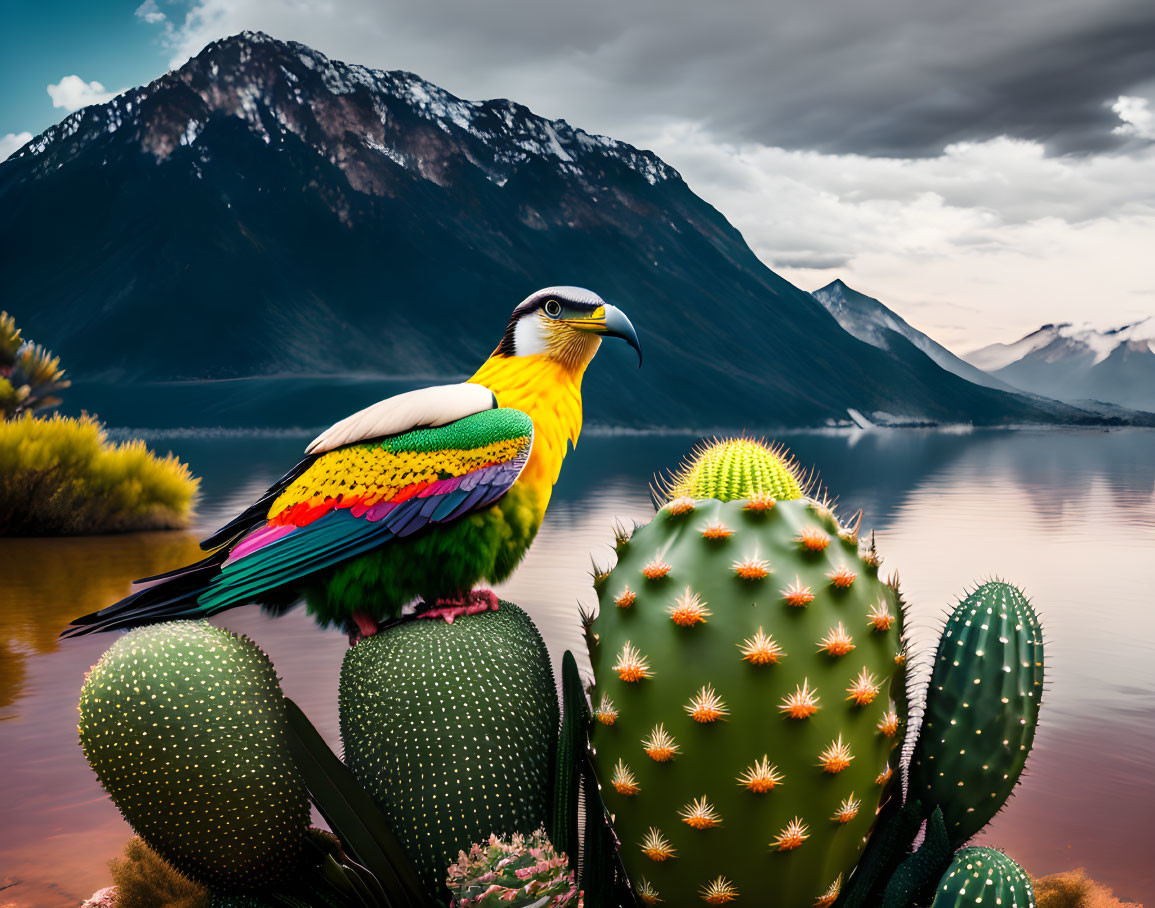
(616, 324)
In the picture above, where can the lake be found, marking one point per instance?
(1067, 515)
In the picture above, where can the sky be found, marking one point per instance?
(981, 167)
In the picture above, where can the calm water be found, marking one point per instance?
(1068, 516)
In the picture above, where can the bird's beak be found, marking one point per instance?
(609, 321)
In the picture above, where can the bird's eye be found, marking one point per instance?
(552, 308)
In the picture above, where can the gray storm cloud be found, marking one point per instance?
(898, 78)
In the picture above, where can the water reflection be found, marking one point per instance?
(48, 582)
(1069, 516)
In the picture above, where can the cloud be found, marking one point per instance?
(11, 142)
(1137, 116)
(996, 227)
(894, 78)
(809, 259)
(73, 93)
(150, 13)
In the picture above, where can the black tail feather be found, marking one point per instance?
(171, 598)
(213, 560)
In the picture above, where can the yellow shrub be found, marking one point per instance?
(1074, 890)
(62, 476)
(144, 879)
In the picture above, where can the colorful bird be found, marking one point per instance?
(424, 494)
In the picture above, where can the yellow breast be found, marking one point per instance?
(550, 393)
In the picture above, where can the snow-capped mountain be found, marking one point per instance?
(871, 321)
(1079, 362)
(347, 111)
(267, 211)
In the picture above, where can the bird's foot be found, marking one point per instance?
(471, 603)
(366, 627)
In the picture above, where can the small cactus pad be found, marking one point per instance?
(518, 872)
(982, 877)
(732, 469)
(982, 708)
(184, 724)
(752, 689)
(451, 728)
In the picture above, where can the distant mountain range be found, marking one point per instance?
(871, 321)
(266, 211)
(1109, 373)
(1078, 363)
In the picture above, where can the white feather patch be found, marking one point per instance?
(528, 337)
(425, 407)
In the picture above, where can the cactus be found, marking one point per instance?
(746, 658)
(981, 711)
(184, 725)
(738, 468)
(324, 879)
(301, 894)
(517, 872)
(982, 708)
(571, 746)
(299, 897)
(452, 729)
(984, 876)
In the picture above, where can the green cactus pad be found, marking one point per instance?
(984, 876)
(722, 627)
(452, 728)
(184, 724)
(982, 708)
(733, 469)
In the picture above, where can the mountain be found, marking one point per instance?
(266, 212)
(998, 356)
(1079, 363)
(871, 321)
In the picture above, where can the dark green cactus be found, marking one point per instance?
(746, 655)
(982, 877)
(184, 724)
(301, 895)
(982, 708)
(452, 728)
(919, 872)
(570, 753)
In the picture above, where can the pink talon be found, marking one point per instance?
(473, 603)
(366, 627)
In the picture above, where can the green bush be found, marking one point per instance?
(62, 476)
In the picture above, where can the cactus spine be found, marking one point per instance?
(452, 729)
(984, 876)
(184, 725)
(982, 708)
(746, 656)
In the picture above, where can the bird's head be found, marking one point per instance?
(565, 324)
